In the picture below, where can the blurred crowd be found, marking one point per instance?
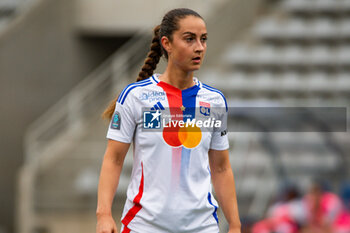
(317, 211)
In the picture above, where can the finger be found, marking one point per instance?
(105, 230)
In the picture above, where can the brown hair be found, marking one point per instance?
(166, 28)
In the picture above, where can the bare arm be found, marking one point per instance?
(109, 178)
(224, 186)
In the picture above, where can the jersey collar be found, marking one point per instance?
(155, 78)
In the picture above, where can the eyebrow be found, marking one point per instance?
(193, 34)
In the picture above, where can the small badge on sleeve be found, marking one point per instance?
(223, 133)
(116, 120)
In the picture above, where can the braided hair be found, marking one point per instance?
(152, 58)
(168, 26)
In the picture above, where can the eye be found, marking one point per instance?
(189, 39)
(204, 39)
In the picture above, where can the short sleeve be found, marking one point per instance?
(219, 140)
(123, 123)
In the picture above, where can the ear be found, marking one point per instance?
(166, 43)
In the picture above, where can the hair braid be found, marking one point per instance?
(152, 58)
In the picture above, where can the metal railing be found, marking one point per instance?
(70, 113)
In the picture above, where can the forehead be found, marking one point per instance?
(191, 24)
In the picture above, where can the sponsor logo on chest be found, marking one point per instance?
(152, 96)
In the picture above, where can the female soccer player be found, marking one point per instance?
(173, 167)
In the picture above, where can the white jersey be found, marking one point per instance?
(170, 188)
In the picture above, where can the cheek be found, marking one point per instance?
(181, 56)
(183, 53)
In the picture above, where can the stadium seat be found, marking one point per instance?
(316, 6)
(344, 29)
(342, 82)
(342, 56)
(320, 56)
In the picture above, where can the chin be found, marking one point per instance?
(191, 68)
(196, 67)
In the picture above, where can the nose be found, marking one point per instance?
(199, 46)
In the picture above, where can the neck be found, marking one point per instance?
(177, 78)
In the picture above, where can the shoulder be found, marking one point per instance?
(214, 95)
(133, 88)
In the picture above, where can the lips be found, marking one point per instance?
(196, 59)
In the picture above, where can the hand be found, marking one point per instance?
(106, 224)
(234, 230)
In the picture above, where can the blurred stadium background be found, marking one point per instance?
(61, 62)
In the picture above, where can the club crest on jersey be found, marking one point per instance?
(116, 120)
(204, 108)
(151, 119)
